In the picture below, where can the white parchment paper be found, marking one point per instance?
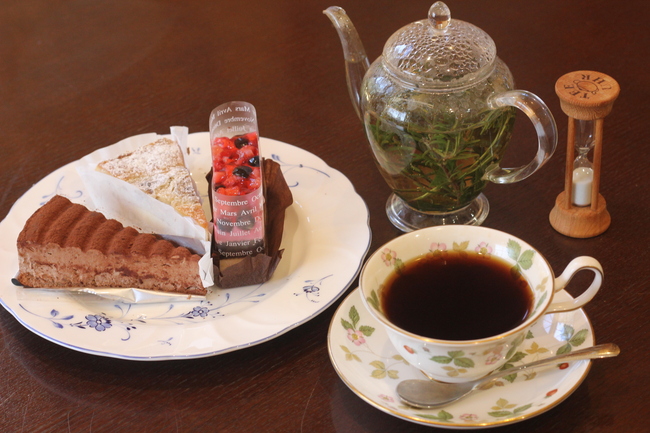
(127, 204)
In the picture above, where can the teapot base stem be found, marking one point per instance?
(407, 219)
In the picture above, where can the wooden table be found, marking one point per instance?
(78, 76)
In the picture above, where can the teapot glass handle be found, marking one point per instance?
(544, 124)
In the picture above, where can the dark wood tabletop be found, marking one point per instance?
(76, 76)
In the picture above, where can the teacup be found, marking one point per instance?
(465, 360)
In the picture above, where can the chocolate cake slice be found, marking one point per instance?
(66, 245)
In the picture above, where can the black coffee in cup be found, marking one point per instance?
(456, 296)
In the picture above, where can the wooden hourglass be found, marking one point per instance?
(586, 97)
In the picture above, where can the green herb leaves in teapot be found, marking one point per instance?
(439, 166)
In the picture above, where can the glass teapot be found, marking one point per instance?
(438, 108)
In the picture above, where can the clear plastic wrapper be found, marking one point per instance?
(236, 187)
(130, 206)
(249, 197)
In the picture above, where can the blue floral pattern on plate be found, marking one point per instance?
(326, 238)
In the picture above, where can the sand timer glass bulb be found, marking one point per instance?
(586, 97)
(583, 173)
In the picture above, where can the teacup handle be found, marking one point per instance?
(544, 123)
(576, 265)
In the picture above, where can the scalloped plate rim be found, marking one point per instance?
(360, 223)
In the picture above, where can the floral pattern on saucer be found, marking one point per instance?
(369, 365)
(357, 334)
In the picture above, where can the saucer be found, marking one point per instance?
(366, 361)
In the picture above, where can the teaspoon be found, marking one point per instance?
(428, 394)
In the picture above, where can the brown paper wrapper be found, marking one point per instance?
(259, 268)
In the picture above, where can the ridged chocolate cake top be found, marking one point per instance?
(67, 224)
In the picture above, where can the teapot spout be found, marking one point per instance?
(356, 61)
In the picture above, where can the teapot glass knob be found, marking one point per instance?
(439, 16)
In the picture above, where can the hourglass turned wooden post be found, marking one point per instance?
(586, 97)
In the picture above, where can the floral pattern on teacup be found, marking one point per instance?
(483, 249)
(388, 256)
(385, 368)
(373, 371)
(523, 260)
(456, 362)
(494, 355)
(459, 363)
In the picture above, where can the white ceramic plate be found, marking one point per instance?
(325, 239)
(369, 365)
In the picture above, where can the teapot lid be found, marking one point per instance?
(440, 53)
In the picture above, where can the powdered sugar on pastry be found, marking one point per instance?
(158, 169)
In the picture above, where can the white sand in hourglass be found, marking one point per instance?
(583, 178)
